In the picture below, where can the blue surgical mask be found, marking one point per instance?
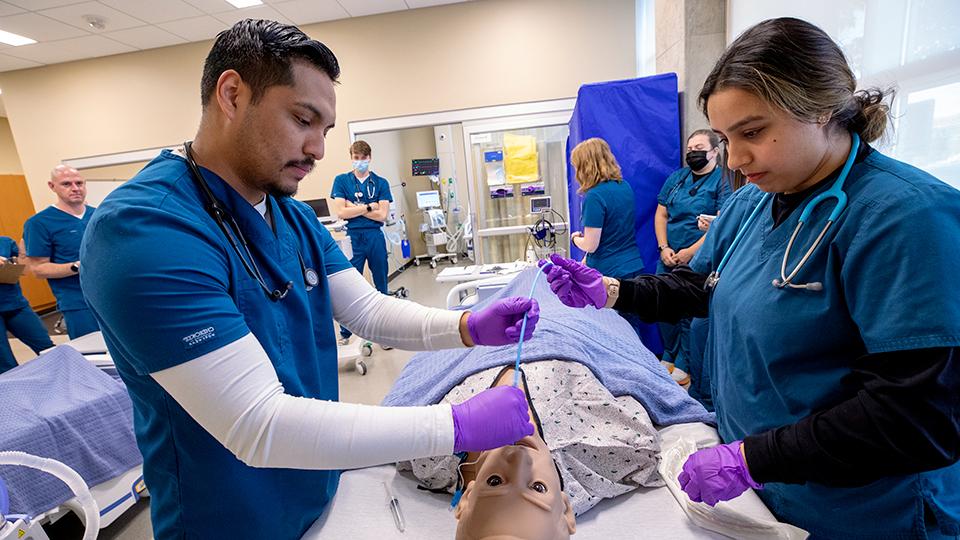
(361, 165)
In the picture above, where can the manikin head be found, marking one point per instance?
(516, 495)
(70, 187)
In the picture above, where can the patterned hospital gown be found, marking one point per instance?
(604, 446)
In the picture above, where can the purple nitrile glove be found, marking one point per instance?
(575, 284)
(493, 418)
(500, 322)
(716, 474)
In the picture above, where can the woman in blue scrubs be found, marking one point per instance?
(689, 192)
(836, 381)
(607, 212)
(607, 215)
(16, 315)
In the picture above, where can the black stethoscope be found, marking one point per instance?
(696, 185)
(220, 214)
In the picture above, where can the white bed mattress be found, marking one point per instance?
(359, 509)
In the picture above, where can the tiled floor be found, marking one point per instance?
(384, 367)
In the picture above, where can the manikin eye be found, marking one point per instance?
(494, 481)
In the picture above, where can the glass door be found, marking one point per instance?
(509, 187)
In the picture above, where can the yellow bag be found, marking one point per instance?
(520, 160)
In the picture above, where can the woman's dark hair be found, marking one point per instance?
(261, 52)
(797, 67)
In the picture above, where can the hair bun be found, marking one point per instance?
(870, 121)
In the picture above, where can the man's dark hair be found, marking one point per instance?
(262, 52)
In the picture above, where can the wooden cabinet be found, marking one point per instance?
(16, 207)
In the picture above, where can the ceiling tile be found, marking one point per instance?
(34, 5)
(74, 14)
(145, 37)
(66, 50)
(359, 8)
(153, 12)
(256, 12)
(195, 28)
(10, 63)
(310, 11)
(9, 9)
(415, 4)
(38, 27)
(211, 6)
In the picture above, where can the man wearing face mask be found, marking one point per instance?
(699, 188)
(362, 198)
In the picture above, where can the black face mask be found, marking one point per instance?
(697, 159)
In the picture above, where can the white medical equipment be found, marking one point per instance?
(428, 199)
(22, 527)
(539, 205)
(835, 192)
(434, 229)
(544, 233)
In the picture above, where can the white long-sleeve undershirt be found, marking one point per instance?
(234, 393)
(391, 321)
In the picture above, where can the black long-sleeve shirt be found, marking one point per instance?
(901, 415)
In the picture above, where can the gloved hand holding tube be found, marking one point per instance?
(500, 322)
(575, 284)
(493, 418)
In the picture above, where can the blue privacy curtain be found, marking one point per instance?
(640, 120)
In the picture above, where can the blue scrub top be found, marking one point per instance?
(166, 288)
(609, 206)
(56, 234)
(375, 188)
(779, 355)
(11, 297)
(683, 208)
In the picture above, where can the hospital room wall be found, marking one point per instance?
(9, 159)
(446, 57)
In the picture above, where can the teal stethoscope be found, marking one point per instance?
(835, 192)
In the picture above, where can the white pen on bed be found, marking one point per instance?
(394, 505)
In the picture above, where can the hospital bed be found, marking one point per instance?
(61, 405)
(606, 344)
(359, 509)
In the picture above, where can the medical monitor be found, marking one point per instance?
(539, 205)
(428, 199)
(322, 210)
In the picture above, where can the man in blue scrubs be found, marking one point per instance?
(362, 197)
(16, 315)
(217, 291)
(52, 239)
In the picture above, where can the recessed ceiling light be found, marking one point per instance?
(14, 39)
(244, 3)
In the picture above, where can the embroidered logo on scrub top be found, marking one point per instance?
(199, 337)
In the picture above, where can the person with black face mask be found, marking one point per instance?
(698, 188)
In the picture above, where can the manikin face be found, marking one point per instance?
(69, 186)
(279, 138)
(516, 495)
(773, 149)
